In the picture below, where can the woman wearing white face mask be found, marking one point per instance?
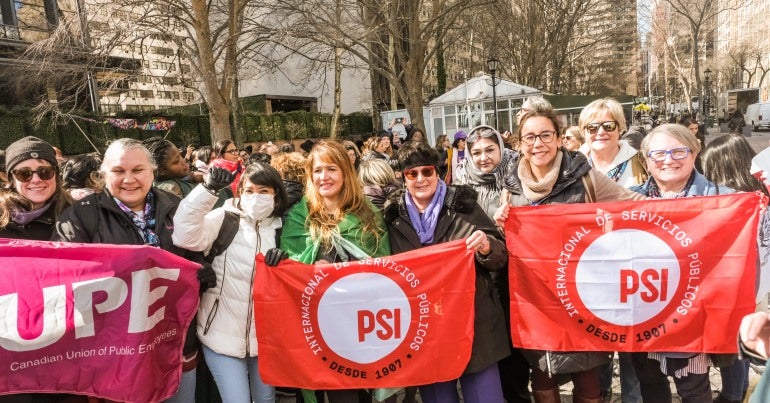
(225, 316)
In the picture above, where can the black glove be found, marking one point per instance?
(218, 179)
(207, 277)
(274, 256)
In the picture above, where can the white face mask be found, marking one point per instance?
(257, 206)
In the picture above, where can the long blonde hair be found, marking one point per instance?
(321, 223)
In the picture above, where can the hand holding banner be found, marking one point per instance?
(658, 275)
(100, 320)
(382, 322)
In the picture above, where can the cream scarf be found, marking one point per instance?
(534, 189)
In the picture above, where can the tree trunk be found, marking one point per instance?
(236, 114)
(337, 93)
(218, 105)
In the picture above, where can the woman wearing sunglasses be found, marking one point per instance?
(35, 196)
(229, 158)
(603, 121)
(430, 212)
(573, 138)
(333, 222)
(546, 173)
(671, 150)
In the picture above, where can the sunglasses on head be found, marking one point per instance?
(426, 172)
(609, 126)
(25, 174)
(481, 132)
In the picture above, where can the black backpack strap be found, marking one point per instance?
(225, 237)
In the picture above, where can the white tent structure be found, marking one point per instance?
(470, 104)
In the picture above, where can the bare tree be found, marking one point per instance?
(549, 44)
(58, 73)
(700, 19)
(395, 39)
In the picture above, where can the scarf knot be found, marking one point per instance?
(425, 224)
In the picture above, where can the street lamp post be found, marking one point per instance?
(492, 67)
(706, 92)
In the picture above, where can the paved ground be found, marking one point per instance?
(758, 140)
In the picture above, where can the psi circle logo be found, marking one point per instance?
(363, 317)
(627, 277)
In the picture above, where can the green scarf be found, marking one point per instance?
(296, 241)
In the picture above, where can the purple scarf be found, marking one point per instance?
(23, 217)
(425, 224)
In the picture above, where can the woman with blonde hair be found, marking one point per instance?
(603, 122)
(379, 181)
(333, 222)
(573, 138)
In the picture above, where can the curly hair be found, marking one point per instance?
(158, 148)
(291, 166)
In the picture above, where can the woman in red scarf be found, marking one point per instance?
(227, 157)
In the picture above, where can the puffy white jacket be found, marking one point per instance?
(226, 312)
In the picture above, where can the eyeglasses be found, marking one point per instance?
(675, 153)
(481, 133)
(609, 126)
(43, 172)
(234, 151)
(426, 172)
(546, 137)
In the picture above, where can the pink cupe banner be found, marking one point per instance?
(106, 321)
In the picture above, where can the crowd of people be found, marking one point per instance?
(335, 201)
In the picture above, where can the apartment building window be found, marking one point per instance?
(162, 51)
(140, 108)
(188, 96)
(144, 78)
(168, 80)
(110, 109)
(168, 95)
(164, 65)
(184, 68)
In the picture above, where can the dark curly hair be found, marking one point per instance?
(158, 148)
(77, 171)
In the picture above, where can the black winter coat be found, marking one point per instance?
(98, 219)
(39, 229)
(459, 218)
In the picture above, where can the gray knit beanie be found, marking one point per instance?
(27, 148)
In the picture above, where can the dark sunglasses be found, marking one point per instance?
(609, 126)
(25, 174)
(427, 172)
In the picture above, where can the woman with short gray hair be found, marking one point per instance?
(129, 211)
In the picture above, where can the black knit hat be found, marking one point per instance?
(28, 148)
(307, 145)
(416, 155)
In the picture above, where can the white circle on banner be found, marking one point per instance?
(363, 317)
(619, 291)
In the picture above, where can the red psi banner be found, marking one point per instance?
(101, 320)
(381, 322)
(660, 275)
